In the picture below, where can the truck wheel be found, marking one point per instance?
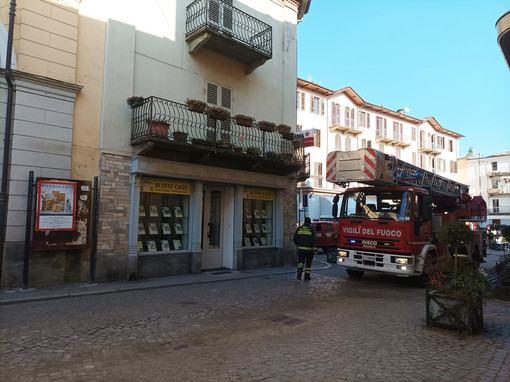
(355, 274)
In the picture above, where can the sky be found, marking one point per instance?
(439, 58)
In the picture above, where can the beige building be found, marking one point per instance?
(179, 191)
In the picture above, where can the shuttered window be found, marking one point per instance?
(221, 96)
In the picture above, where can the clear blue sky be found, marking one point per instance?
(439, 58)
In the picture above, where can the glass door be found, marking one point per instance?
(212, 229)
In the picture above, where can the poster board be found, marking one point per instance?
(62, 214)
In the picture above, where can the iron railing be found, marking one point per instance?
(225, 19)
(194, 129)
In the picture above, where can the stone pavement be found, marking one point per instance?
(259, 326)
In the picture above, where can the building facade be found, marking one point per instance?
(489, 177)
(180, 191)
(342, 120)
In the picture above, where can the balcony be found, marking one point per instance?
(166, 129)
(346, 126)
(499, 211)
(381, 136)
(425, 147)
(400, 140)
(224, 29)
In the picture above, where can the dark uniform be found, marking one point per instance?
(306, 241)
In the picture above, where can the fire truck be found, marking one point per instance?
(389, 223)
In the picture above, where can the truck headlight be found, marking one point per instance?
(402, 260)
(343, 253)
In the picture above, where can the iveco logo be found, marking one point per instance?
(371, 243)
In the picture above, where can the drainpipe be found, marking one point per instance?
(8, 131)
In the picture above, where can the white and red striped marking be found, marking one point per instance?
(369, 163)
(331, 167)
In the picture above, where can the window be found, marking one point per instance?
(363, 143)
(450, 145)
(301, 100)
(218, 95)
(317, 171)
(381, 147)
(422, 161)
(414, 159)
(398, 153)
(453, 167)
(495, 206)
(380, 127)
(317, 105)
(257, 218)
(413, 132)
(338, 142)
(347, 116)
(494, 183)
(397, 131)
(317, 138)
(347, 143)
(335, 113)
(494, 166)
(369, 144)
(163, 218)
(299, 128)
(362, 119)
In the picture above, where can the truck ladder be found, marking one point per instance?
(407, 174)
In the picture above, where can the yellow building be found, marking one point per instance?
(179, 191)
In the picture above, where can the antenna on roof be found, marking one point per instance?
(406, 109)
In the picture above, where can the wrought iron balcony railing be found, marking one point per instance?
(167, 122)
(232, 32)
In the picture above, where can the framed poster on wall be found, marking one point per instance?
(62, 214)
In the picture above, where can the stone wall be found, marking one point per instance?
(113, 217)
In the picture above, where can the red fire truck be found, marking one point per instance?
(390, 224)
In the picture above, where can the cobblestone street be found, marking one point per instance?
(271, 328)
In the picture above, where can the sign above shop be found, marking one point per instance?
(165, 187)
(258, 193)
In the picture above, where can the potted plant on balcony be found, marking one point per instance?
(224, 144)
(180, 136)
(266, 126)
(285, 131)
(218, 113)
(135, 101)
(196, 105)
(158, 127)
(253, 151)
(244, 120)
(456, 286)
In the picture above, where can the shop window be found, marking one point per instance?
(163, 216)
(258, 218)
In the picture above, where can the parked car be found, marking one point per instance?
(327, 237)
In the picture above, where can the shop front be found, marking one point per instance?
(181, 225)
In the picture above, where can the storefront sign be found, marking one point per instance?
(164, 187)
(55, 205)
(258, 193)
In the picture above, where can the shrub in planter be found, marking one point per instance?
(244, 120)
(456, 286)
(218, 113)
(253, 151)
(135, 101)
(224, 144)
(283, 129)
(266, 126)
(196, 105)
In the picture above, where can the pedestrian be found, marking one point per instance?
(306, 240)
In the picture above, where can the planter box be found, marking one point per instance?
(180, 136)
(451, 312)
(158, 129)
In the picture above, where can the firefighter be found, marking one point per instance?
(306, 240)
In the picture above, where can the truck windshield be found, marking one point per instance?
(377, 205)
